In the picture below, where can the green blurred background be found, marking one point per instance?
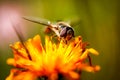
(99, 25)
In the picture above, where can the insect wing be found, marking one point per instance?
(37, 20)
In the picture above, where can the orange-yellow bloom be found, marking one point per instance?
(51, 60)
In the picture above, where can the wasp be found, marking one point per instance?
(61, 29)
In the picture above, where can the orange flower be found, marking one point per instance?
(50, 61)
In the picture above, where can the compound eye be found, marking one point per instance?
(70, 31)
(63, 32)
